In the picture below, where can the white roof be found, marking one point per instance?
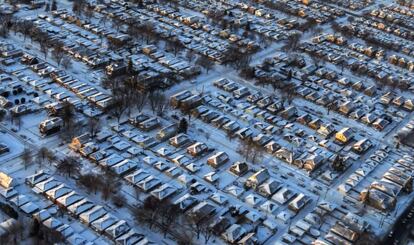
(92, 214)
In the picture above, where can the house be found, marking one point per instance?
(287, 155)
(190, 102)
(78, 142)
(93, 214)
(57, 192)
(241, 92)
(186, 201)
(197, 149)
(387, 98)
(124, 167)
(167, 132)
(50, 126)
(408, 105)
(218, 159)
(130, 237)
(272, 147)
(164, 191)
(289, 112)
(269, 187)
(6, 181)
(344, 135)
(231, 127)
(180, 140)
(262, 139)
(199, 110)
(298, 202)
(88, 148)
(304, 119)
(357, 114)
(148, 183)
(370, 91)
(138, 119)
(362, 146)
(380, 124)
(315, 123)
(233, 233)
(378, 199)
(211, 177)
(239, 168)
(116, 69)
(219, 198)
(80, 207)
(344, 231)
(137, 176)
(111, 160)
(219, 225)
(68, 199)
(36, 178)
(46, 185)
(312, 162)
(220, 121)
(116, 230)
(149, 124)
(346, 107)
(244, 133)
(283, 195)
(369, 118)
(8, 193)
(202, 210)
(269, 207)
(326, 130)
(104, 222)
(257, 178)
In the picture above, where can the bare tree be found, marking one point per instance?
(68, 113)
(148, 212)
(66, 62)
(91, 182)
(292, 42)
(50, 157)
(111, 184)
(26, 157)
(206, 232)
(237, 57)
(14, 234)
(5, 24)
(69, 166)
(140, 101)
(197, 224)
(24, 27)
(250, 150)
(42, 155)
(148, 30)
(93, 126)
(78, 6)
(58, 53)
(183, 126)
(119, 200)
(54, 5)
(103, 19)
(205, 62)
(169, 214)
(175, 45)
(186, 237)
(338, 164)
(158, 102)
(3, 114)
(118, 107)
(190, 55)
(44, 48)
